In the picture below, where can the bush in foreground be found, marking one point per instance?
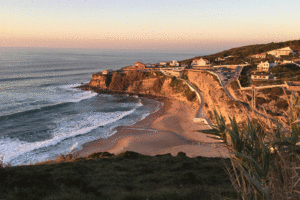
(265, 159)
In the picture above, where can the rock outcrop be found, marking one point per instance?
(99, 80)
(154, 83)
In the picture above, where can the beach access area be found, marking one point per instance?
(169, 130)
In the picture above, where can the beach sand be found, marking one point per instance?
(169, 130)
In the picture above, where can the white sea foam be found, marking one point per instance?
(146, 114)
(73, 147)
(12, 103)
(76, 95)
(15, 151)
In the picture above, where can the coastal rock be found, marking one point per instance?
(99, 80)
(142, 83)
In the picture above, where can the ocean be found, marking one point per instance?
(42, 115)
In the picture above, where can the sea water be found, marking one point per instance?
(43, 115)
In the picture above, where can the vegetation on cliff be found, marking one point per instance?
(286, 72)
(179, 86)
(241, 52)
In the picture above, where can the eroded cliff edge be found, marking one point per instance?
(146, 83)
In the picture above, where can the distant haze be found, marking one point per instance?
(204, 26)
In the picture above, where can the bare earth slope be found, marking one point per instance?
(216, 98)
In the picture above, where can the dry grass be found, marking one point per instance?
(284, 177)
(265, 160)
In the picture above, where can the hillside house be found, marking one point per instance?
(288, 61)
(162, 63)
(263, 66)
(260, 55)
(230, 56)
(137, 66)
(174, 63)
(260, 76)
(281, 52)
(200, 62)
(219, 59)
(106, 71)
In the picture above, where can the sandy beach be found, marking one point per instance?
(169, 130)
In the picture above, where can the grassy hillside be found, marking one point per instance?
(241, 52)
(125, 176)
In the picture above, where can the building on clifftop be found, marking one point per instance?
(200, 62)
(138, 66)
(260, 55)
(263, 66)
(174, 63)
(260, 76)
(281, 52)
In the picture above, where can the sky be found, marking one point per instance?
(185, 25)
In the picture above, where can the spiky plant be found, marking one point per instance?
(261, 166)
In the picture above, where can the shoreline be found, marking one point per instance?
(86, 87)
(169, 130)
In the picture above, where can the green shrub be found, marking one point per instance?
(265, 90)
(234, 85)
(191, 96)
(278, 91)
(273, 97)
(185, 76)
(100, 155)
(177, 85)
(175, 82)
(283, 104)
(260, 100)
(244, 81)
(157, 85)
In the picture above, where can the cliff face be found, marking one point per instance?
(215, 96)
(99, 81)
(145, 83)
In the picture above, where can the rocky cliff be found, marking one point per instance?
(99, 80)
(154, 83)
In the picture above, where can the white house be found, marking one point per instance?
(231, 56)
(219, 59)
(106, 71)
(287, 61)
(260, 76)
(263, 66)
(281, 52)
(163, 63)
(148, 65)
(200, 62)
(260, 55)
(174, 63)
